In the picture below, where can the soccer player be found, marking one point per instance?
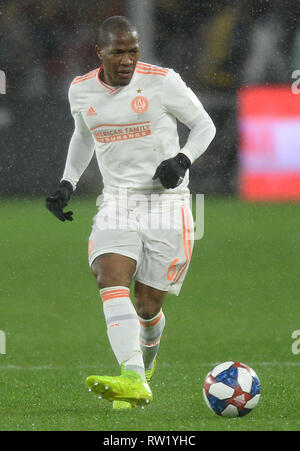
(126, 112)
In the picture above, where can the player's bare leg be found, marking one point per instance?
(113, 270)
(113, 273)
(149, 301)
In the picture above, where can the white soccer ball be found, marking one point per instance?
(231, 389)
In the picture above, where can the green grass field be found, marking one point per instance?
(240, 301)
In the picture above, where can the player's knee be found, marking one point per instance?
(147, 308)
(108, 277)
(111, 280)
(113, 270)
(147, 312)
(148, 301)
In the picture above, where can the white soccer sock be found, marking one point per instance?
(123, 328)
(151, 332)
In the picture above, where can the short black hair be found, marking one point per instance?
(112, 25)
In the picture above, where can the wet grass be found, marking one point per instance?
(240, 301)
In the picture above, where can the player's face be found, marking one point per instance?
(119, 58)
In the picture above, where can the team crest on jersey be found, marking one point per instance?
(140, 104)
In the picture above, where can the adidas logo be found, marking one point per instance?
(91, 112)
(240, 399)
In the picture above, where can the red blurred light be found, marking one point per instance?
(269, 144)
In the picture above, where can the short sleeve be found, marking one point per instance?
(180, 100)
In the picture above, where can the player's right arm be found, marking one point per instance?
(80, 153)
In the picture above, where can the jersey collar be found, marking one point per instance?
(109, 89)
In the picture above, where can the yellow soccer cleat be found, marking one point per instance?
(128, 387)
(149, 373)
(121, 405)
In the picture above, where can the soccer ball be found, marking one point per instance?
(231, 389)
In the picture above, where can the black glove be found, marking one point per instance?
(171, 172)
(59, 200)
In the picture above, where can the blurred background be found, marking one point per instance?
(238, 56)
(240, 300)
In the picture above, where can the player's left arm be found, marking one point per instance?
(181, 101)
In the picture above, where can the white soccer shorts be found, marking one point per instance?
(159, 236)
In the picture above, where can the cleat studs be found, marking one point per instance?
(106, 387)
(147, 401)
(90, 389)
(142, 407)
(96, 383)
(99, 397)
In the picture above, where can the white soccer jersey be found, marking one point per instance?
(133, 128)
